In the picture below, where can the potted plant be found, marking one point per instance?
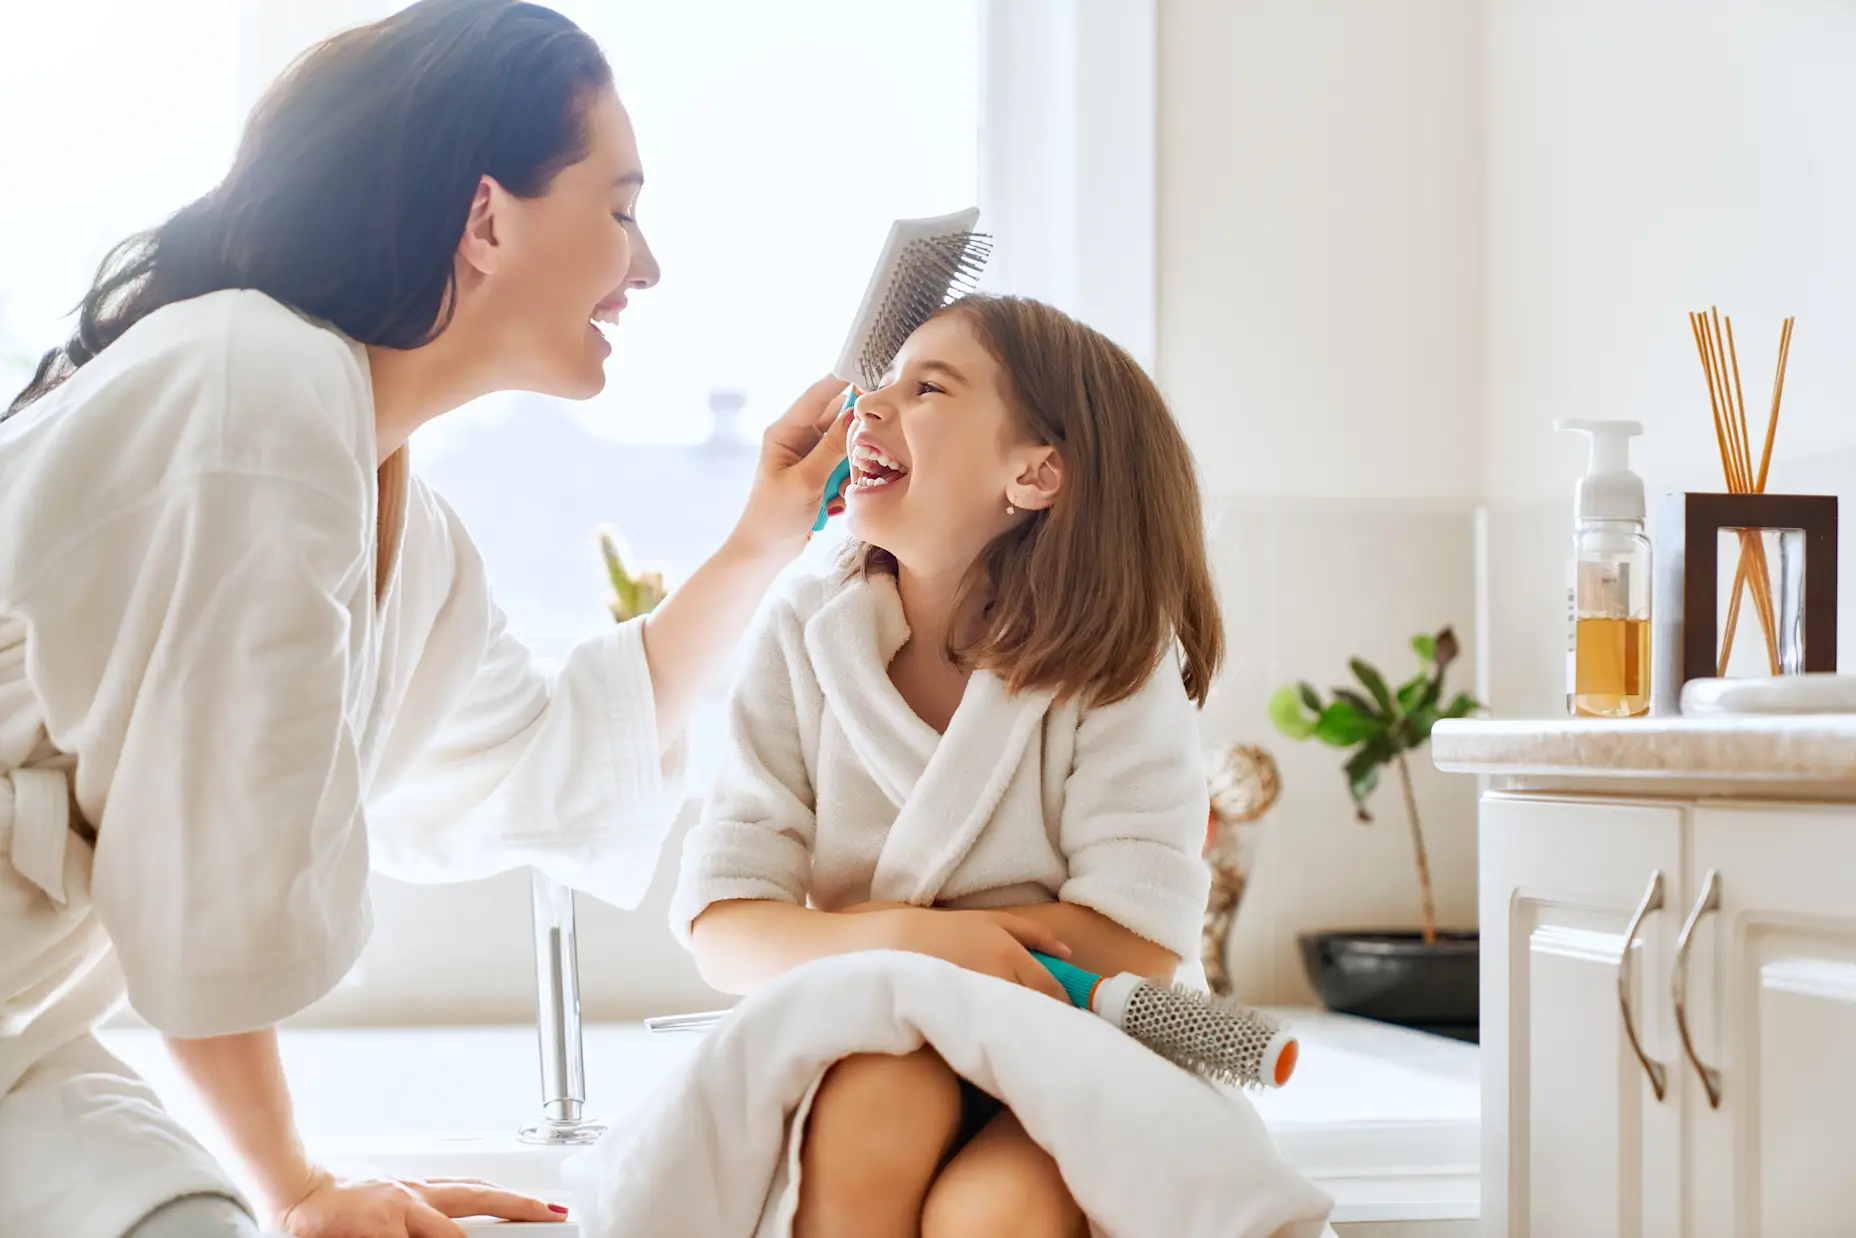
(633, 593)
(1421, 979)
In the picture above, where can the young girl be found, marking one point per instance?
(976, 739)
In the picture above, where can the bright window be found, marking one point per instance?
(112, 115)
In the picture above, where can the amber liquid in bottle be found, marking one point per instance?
(1611, 668)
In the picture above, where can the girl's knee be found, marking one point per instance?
(1002, 1185)
(882, 1104)
(878, 1130)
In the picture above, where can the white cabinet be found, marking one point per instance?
(1576, 1143)
(1771, 979)
(1588, 1133)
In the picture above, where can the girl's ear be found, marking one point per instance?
(1039, 479)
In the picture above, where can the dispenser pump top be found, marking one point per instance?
(1609, 490)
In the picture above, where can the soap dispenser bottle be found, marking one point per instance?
(1608, 585)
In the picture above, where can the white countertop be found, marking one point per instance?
(1762, 749)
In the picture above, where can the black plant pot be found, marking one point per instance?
(1395, 978)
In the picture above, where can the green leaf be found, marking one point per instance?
(1343, 726)
(1375, 683)
(1365, 708)
(1286, 713)
(1362, 770)
(1420, 724)
(1433, 689)
(1462, 706)
(1310, 697)
(1425, 647)
(1412, 691)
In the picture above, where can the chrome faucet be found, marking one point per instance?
(557, 982)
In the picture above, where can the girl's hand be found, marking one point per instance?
(384, 1208)
(996, 943)
(797, 456)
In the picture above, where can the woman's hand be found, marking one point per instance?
(384, 1208)
(996, 943)
(797, 455)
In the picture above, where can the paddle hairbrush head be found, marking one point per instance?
(925, 264)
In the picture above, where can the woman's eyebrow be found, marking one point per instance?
(632, 179)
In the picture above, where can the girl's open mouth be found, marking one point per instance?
(872, 470)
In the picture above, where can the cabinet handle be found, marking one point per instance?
(1652, 901)
(1710, 900)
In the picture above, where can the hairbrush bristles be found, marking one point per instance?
(930, 273)
(1220, 1040)
(926, 263)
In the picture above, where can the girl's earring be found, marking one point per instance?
(1010, 510)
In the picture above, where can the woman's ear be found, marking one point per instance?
(479, 248)
(1039, 479)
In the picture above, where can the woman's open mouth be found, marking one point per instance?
(606, 313)
(871, 469)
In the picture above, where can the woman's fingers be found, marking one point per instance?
(834, 409)
(825, 454)
(477, 1199)
(816, 410)
(427, 1222)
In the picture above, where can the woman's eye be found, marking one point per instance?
(623, 218)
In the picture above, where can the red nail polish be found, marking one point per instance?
(560, 1208)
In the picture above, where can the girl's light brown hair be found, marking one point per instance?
(1086, 597)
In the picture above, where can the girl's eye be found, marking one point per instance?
(623, 218)
(923, 387)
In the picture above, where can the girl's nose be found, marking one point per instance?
(874, 405)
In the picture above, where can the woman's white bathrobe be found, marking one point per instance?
(253, 667)
(832, 790)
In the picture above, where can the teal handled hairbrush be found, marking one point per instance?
(1224, 1042)
(925, 263)
(1229, 1043)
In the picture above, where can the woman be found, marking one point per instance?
(245, 656)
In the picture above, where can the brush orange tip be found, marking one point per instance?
(1285, 1061)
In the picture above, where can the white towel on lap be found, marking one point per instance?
(1146, 1148)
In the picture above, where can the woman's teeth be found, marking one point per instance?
(605, 315)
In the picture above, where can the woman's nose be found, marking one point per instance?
(644, 272)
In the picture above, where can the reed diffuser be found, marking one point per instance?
(1720, 363)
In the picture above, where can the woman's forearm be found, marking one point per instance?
(689, 638)
(1100, 945)
(241, 1078)
(742, 944)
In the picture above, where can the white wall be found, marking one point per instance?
(1644, 160)
(1320, 336)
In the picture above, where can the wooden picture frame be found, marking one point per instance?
(1685, 605)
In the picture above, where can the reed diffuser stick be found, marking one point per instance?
(1720, 399)
(1761, 574)
(1720, 361)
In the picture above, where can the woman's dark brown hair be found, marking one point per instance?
(353, 180)
(1086, 597)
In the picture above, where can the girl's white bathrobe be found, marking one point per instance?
(832, 790)
(241, 667)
